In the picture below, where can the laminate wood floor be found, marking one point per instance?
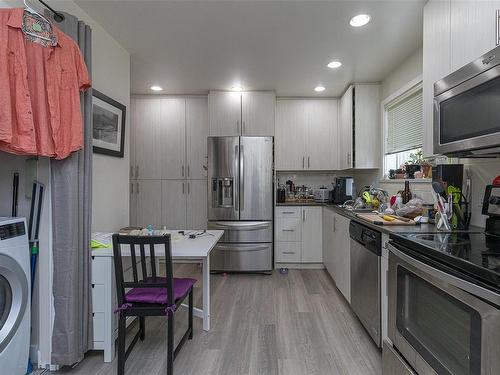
(291, 324)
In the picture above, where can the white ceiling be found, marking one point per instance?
(194, 46)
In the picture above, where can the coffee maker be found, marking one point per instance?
(343, 189)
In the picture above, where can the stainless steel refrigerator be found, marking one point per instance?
(240, 201)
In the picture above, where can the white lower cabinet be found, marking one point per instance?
(196, 204)
(312, 238)
(175, 204)
(148, 203)
(298, 234)
(337, 250)
(328, 230)
(288, 252)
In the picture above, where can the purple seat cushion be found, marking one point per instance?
(159, 295)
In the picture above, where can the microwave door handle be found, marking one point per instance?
(475, 290)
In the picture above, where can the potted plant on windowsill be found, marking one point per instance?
(414, 164)
(400, 174)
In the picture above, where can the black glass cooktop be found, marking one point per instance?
(476, 255)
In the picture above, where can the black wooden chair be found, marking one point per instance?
(149, 295)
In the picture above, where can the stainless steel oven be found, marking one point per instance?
(467, 109)
(440, 323)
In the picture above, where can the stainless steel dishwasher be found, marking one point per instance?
(366, 250)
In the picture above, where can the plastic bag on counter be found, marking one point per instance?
(411, 209)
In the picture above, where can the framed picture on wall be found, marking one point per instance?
(108, 125)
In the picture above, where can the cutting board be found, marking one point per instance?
(375, 219)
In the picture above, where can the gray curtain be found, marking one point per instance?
(71, 188)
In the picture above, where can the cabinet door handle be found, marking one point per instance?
(137, 190)
(303, 161)
(188, 170)
(334, 223)
(497, 27)
(288, 230)
(188, 187)
(131, 188)
(288, 212)
(136, 171)
(303, 215)
(308, 162)
(183, 188)
(182, 171)
(288, 252)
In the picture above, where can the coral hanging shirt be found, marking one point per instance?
(40, 110)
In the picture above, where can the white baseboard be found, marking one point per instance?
(301, 266)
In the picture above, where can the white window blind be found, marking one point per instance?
(405, 121)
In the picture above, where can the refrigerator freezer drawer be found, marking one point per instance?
(242, 257)
(244, 231)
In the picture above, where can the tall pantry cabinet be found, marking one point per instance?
(168, 180)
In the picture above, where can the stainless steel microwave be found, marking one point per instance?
(467, 109)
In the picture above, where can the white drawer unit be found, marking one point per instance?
(298, 235)
(288, 229)
(287, 212)
(288, 252)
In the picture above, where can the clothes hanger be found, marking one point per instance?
(32, 11)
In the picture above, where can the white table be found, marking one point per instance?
(104, 290)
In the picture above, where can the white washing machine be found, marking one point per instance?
(15, 296)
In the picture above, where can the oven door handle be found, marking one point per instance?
(468, 287)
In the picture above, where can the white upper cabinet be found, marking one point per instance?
(172, 137)
(436, 62)
(257, 113)
(247, 113)
(290, 135)
(146, 129)
(306, 134)
(224, 110)
(359, 127)
(196, 137)
(367, 129)
(455, 34)
(321, 134)
(473, 30)
(345, 129)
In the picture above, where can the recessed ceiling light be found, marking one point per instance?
(156, 88)
(359, 20)
(334, 64)
(319, 88)
(237, 88)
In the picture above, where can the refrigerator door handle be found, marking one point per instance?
(242, 226)
(236, 188)
(241, 247)
(242, 180)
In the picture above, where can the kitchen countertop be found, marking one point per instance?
(388, 229)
